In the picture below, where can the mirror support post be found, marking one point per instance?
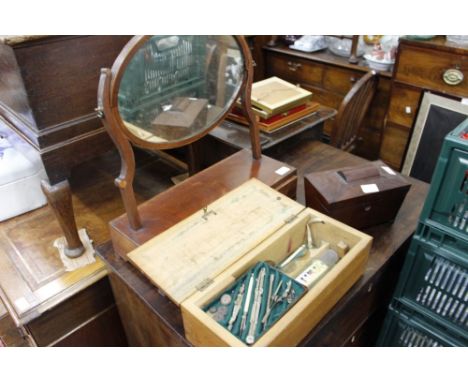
(127, 170)
(246, 101)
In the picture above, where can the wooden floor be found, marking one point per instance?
(96, 201)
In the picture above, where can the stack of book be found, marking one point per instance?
(276, 103)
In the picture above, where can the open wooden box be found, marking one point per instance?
(198, 258)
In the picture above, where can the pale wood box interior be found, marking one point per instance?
(195, 260)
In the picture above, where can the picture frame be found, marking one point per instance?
(437, 116)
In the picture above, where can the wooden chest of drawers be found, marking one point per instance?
(329, 78)
(420, 66)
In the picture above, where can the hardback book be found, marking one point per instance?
(276, 122)
(275, 95)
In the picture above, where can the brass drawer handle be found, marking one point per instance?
(293, 66)
(453, 77)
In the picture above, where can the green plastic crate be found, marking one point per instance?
(434, 282)
(446, 206)
(440, 237)
(406, 329)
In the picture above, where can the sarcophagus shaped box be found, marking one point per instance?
(360, 196)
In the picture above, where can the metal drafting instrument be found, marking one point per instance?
(256, 307)
(237, 306)
(247, 303)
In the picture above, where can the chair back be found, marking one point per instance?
(352, 111)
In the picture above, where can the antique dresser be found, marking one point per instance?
(420, 66)
(329, 78)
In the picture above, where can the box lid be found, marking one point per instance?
(189, 255)
(356, 184)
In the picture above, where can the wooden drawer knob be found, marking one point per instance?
(293, 66)
(453, 77)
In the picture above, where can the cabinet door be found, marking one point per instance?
(394, 142)
(404, 105)
(371, 131)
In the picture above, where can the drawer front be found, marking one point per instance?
(278, 66)
(393, 146)
(294, 69)
(340, 80)
(103, 330)
(70, 315)
(404, 105)
(426, 68)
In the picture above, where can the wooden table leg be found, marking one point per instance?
(60, 199)
(193, 158)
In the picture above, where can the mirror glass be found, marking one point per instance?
(175, 87)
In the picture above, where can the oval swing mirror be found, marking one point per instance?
(171, 90)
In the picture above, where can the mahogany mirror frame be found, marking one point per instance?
(108, 111)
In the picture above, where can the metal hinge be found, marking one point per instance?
(289, 219)
(204, 284)
(100, 111)
(207, 213)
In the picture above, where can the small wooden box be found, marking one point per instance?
(195, 260)
(360, 196)
(186, 117)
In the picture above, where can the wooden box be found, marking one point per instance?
(360, 196)
(198, 258)
(185, 118)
